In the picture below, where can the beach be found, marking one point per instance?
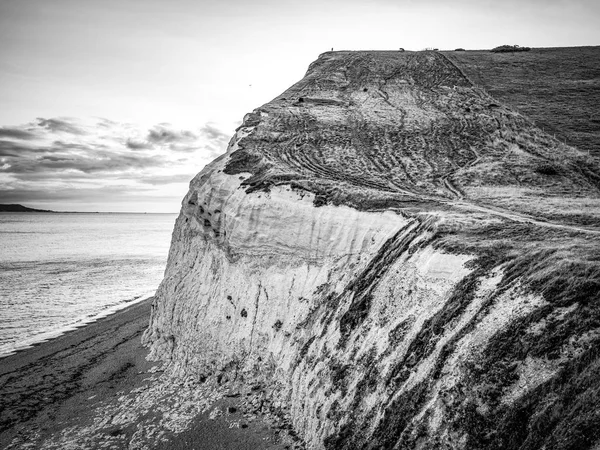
(59, 271)
(93, 388)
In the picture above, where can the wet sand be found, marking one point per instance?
(93, 388)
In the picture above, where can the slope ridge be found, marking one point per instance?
(376, 130)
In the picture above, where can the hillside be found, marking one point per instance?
(558, 88)
(388, 256)
(20, 208)
(379, 130)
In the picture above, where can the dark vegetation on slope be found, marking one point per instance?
(362, 287)
(562, 412)
(559, 88)
(510, 49)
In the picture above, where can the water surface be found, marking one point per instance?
(59, 271)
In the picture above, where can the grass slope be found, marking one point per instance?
(380, 130)
(558, 88)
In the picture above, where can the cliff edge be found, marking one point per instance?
(379, 251)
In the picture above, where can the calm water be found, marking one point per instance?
(58, 271)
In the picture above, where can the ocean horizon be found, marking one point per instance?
(62, 270)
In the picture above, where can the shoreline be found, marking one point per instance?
(51, 335)
(70, 336)
(92, 387)
(37, 382)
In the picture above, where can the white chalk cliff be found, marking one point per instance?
(346, 253)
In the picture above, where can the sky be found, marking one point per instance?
(110, 105)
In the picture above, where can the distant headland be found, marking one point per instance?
(21, 208)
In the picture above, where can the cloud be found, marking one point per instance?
(138, 145)
(92, 194)
(59, 124)
(16, 133)
(60, 156)
(214, 134)
(209, 138)
(158, 180)
(106, 123)
(91, 163)
(67, 160)
(164, 136)
(160, 134)
(183, 148)
(216, 140)
(12, 149)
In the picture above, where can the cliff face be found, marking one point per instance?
(367, 250)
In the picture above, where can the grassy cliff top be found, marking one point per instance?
(558, 88)
(390, 130)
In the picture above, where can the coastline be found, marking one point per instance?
(34, 352)
(57, 333)
(98, 356)
(92, 387)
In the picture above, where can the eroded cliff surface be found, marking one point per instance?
(367, 250)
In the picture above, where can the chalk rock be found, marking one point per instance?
(330, 258)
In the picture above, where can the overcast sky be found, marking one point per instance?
(113, 105)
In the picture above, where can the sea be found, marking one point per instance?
(59, 271)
